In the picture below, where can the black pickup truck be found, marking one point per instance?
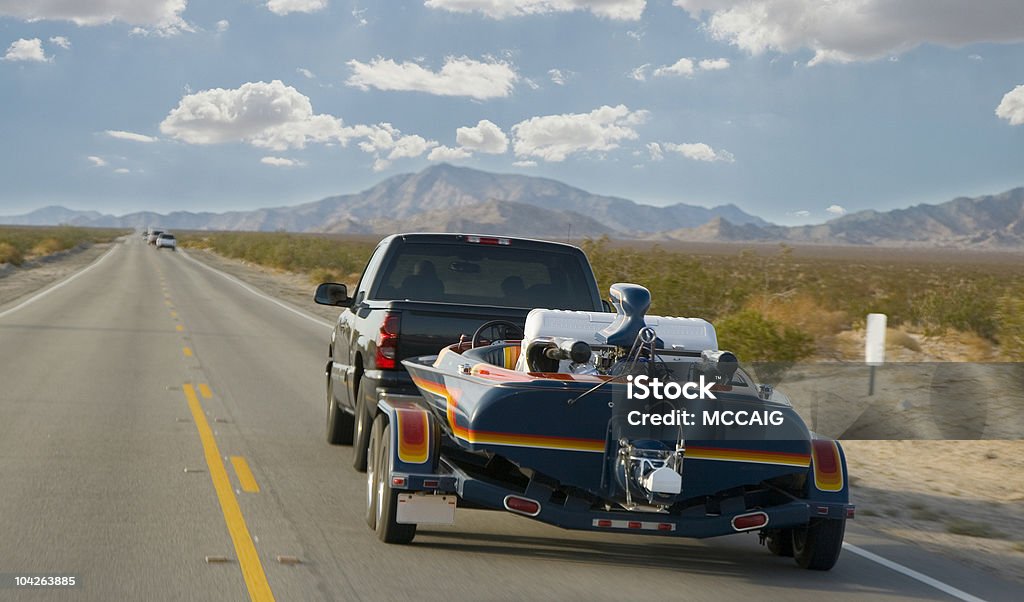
(422, 292)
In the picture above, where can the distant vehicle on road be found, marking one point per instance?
(166, 241)
(153, 235)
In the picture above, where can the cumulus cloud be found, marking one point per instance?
(284, 7)
(447, 153)
(223, 25)
(843, 31)
(836, 210)
(460, 76)
(97, 161)
(654, 150)
(698, 151)
(281, 162)
(623, 10)
(683, 67)
(1011, 108)
(555, 137)
(61, 41)
(123, 135)
(162, 16)
(26, 50)
(485, 137)
(714, 64)
(269, 115)
(279, 117)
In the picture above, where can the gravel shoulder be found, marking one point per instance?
(20, 281)
(963, 499)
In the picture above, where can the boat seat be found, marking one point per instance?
(505, 355)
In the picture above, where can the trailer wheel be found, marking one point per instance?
(779, 542)
(817, 546)
(388, 529)
(373, 470)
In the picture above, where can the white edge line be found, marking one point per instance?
(280, 304)
(60, 284)
(899, 568)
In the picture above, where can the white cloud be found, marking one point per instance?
(532, 84)
(123, 135)
(460, 76)
(61, 41)
(284, 7)
(27, 50)
(281, 162)
(223, 25)
(698, 151)
(654, 149)
(159, 15)
(554, 137)
(683, 67)
(122, 170)
(558, 76)
(714, 64)
(306, 73)
(640, 73)
(836, 210)
(358, 14)
(843, 31)
(447, 153)
(1011, 108)
(802, 213)
(97, 161)
(269, 115)
(623, 10)
(525, 163)
(485, 137)
(975, 57)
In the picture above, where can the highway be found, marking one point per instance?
(162, 438)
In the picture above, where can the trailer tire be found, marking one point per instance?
(817, 546)
(389, 530)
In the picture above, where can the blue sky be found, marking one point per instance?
(784, 107)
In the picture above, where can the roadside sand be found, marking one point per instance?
(912, 490)
(17, 282)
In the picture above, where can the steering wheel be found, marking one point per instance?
(494, 325)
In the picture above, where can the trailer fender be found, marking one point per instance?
(415, 436)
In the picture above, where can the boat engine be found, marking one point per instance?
(650, 470)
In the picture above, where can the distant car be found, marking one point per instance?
(153, 236)
(167, 241)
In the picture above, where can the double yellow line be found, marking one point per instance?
(248, 558)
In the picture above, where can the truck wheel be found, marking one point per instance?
(339, 422)
(361, 425)
(817, 546)
(779, 542)
(388, 529)
(373, 470)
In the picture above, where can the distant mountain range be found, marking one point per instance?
(448, 198)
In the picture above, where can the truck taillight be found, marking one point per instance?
(387, 341)
(488, 240)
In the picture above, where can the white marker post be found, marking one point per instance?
(874, 345)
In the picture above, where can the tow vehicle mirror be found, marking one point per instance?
(332, 293)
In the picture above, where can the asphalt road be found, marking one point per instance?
(128, 394)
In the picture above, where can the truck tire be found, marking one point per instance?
(339, 422)
(362, 422)
(817, 546)
(779, 542)
(373, 470)
(388, 529)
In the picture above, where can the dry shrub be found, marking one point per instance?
(898, 338)
(10, 254)
(802, 311)
(47, 246)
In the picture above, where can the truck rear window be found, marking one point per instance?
(486, 275)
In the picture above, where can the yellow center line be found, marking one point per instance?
(174, 314)
(204, 390)
(179, 328)
(248, 558)
(245, 477)
(187, 351)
